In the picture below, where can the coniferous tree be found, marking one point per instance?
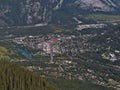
(13, 77)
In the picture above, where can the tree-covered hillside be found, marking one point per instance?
(110, 38)
(13, 77)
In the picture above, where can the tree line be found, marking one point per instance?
(14, 77)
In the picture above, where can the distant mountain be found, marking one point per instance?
(29, 12)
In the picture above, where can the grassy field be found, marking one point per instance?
(103, 17)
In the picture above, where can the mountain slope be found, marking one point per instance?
(98, 5)
(13, 77)
(29, 12)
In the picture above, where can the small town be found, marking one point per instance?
(65, 56)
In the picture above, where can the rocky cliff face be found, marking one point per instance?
(29, 12)
(98, 5)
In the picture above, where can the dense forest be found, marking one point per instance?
(14, 77)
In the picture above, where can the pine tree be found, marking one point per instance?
(13, 77)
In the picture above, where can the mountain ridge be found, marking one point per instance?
(30, 12)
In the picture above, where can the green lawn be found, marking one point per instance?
(103, 17)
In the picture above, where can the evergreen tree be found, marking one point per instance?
(13, 77)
